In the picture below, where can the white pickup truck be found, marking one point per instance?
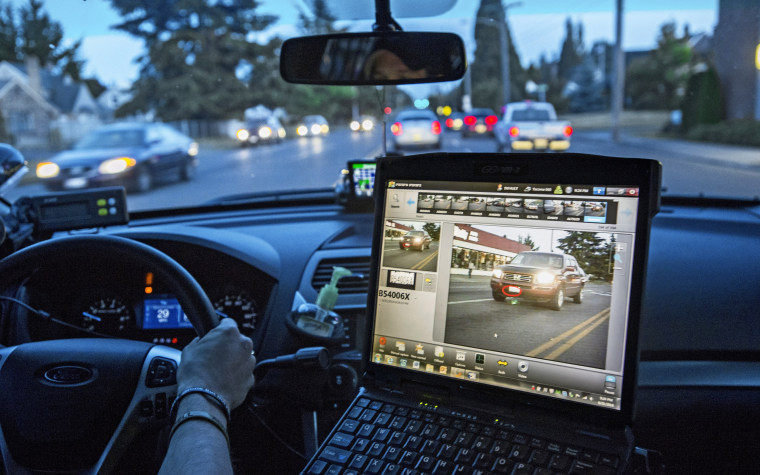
(532, 125)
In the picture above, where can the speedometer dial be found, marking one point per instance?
(107, 314)
(240, 306)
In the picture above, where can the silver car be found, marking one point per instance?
(416, 128)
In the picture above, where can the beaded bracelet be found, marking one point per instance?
(201, 416)
(217, 399)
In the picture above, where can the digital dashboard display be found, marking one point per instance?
(164, 314)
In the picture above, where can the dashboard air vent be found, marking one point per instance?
(346, 285)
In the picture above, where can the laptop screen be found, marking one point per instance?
(514, 285)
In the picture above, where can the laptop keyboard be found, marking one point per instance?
(382, 438)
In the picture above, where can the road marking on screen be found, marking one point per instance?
(470, 301)
(420, 265)
(592, 322)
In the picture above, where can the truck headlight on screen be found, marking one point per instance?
(544, 278)
(497, 273)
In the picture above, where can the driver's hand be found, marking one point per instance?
(221, 361)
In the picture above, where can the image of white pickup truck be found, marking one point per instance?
(532, 125)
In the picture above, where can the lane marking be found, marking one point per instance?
(557, 340)
(556, 353)
(470, 301)
(425, 261)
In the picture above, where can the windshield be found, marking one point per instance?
(538, 260)
(110, 139)
(688, 95)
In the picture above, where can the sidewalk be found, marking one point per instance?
(744, 157)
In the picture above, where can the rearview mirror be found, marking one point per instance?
(376, 58)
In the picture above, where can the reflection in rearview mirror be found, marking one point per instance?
(375, 58)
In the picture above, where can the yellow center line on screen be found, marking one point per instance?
(425, 261)
(598, 318)
(556, 353)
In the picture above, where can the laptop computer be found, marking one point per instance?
(503, 316)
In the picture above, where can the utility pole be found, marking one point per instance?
(618, 87)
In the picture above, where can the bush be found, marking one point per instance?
(737, 132)
(703, 102)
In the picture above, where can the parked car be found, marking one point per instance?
(479, 121)
(540, 276)
(313, 126)
(133, 155)
(532, 125)
(261, 130)
(416, 128)
(419, 240)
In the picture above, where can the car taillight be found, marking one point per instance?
(436, 127)
(449, 122)
(514, 131)
(568, 131)
(396, 128)
(470, 120)
(491, 120)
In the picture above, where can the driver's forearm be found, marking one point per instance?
(197, 446)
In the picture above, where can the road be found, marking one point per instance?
(576, 334)
(424, 260)
(316, 162)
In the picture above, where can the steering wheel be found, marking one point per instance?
(74, 405)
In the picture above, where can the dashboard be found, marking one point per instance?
(699, 361)
(98, 299)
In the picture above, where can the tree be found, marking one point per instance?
(320, 21)
(572, 52)
(590, 250)
(42, 38)
(434, 230)
(9, 35)
(485, 70)
(658, 80)
(196, 56)
(528, 241)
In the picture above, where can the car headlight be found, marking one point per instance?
(316, 129)
(417, 239)
(302, 130)
(281, 133)
(192, 150)
(544, 278)
(47, 170)
(324, 128)
(354, 125)
(265, 132)
(242, 135)
(497, 273)
(116, 165)
(367, 124)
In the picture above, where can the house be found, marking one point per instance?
(42, 109)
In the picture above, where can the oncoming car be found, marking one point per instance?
(362, 124)
(419, 240)
(313, 126)
(539, 276)
(262, 130)
(133, 155)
